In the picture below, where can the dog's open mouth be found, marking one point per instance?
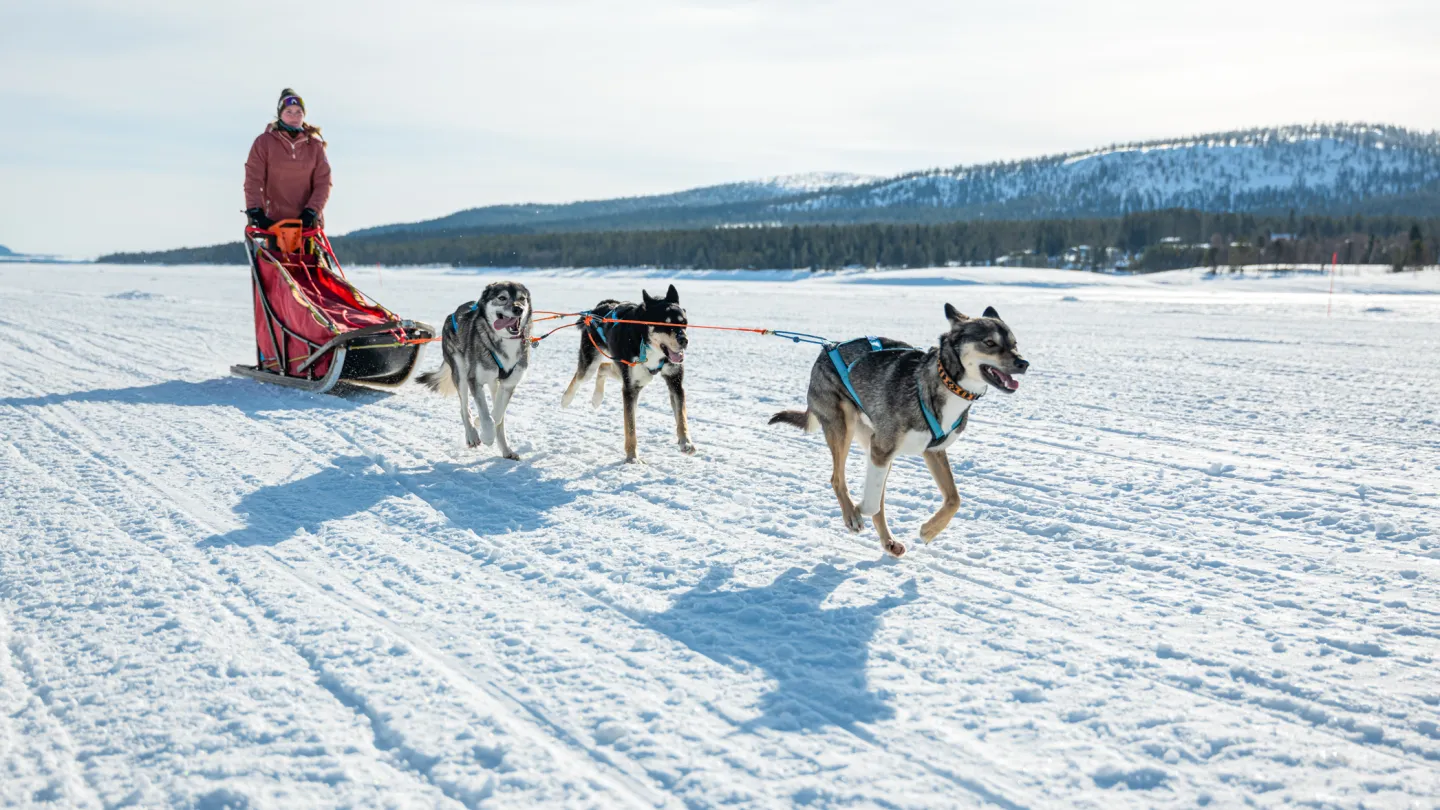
(999, 379)
(673, 356)
(508, 324)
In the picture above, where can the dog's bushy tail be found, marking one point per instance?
(799, 419)
(441, 380)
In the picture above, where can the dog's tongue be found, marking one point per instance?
(505, 323)
(1006, 380)
(674, 357)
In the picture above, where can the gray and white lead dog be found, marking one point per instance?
(892, 381)
(486, 344)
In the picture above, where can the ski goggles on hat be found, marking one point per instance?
(288, 100)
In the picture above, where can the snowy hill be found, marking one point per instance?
(528, 215)
(1321, 168)
(1196, 562)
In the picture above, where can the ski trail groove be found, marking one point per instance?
(1159, 590)
(406, 756)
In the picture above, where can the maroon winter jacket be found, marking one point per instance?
(285, 175)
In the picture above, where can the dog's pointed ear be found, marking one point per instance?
(991, 313)
(647, 298)
(672, 296)
(953, 315)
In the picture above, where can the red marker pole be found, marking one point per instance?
(1334, 258)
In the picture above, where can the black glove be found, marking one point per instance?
(308, 218)
(258, 219)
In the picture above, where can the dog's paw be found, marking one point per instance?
(487, 435)
(567, 399)
(893, 547)
(472, 439)
(854, 522)
(688, 448)
(512, 455)
(633, 460)
(598, 398)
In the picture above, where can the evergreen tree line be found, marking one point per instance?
(1154, 240)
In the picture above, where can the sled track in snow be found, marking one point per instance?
(622, 781)
(990, 794)
(1114, 619)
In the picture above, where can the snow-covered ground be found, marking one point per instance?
(1196, 563)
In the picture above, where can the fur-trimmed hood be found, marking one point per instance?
(307, 132)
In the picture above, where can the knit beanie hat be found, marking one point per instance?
(288, 97)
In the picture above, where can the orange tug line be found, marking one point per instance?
(586, 318)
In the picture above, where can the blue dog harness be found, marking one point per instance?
(937, 433)
(600, 330)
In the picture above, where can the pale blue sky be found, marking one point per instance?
(127, 124)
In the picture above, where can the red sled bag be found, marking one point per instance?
(312, 328)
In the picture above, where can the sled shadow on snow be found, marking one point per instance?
(817, 655)
(247, 396)
(490, 497)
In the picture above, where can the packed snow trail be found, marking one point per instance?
(1196, 560)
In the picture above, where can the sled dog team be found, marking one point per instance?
(890, 397)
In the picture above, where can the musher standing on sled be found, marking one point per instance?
(287, 175)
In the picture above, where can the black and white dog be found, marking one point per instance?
(485, 343)
(898, 400)
(640, 353)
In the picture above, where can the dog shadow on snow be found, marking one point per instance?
(817, 655)
(490, 497)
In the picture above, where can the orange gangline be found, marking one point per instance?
(587, 318)
(689, 325)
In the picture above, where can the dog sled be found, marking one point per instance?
(313, 329)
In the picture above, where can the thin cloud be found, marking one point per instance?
(439, 106)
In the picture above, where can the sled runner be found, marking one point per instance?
(312, 328)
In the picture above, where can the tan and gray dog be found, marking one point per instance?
(898, 400)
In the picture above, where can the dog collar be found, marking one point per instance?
(952, 385)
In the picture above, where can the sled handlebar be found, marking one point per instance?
(288, 236)
(251, 230)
